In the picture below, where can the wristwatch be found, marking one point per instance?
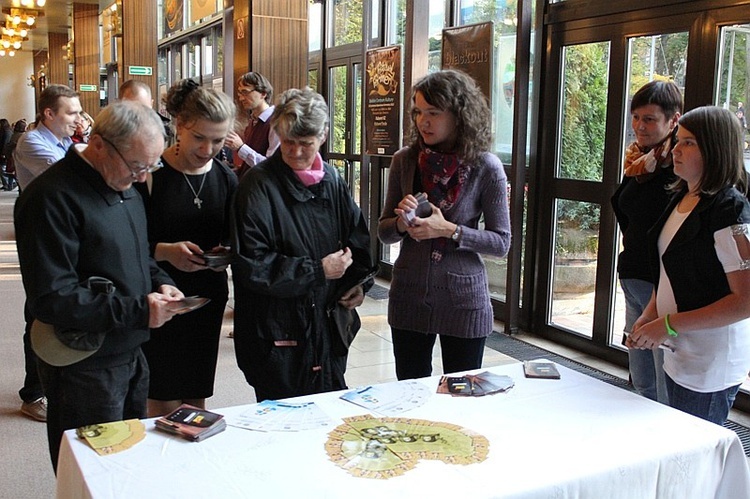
(456, 233)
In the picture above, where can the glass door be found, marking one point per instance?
(344, 98)
(733, 86)
(585, 128)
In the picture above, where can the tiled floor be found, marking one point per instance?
(371, 354)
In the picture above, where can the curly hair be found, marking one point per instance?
(187, 102)
(456, 92)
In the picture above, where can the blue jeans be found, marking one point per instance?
(713, 406)
(646, 366)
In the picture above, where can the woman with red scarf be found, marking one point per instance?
(439, 285)
(638, 203)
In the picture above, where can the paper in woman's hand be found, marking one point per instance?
(423, 210)
(215, 259)
(187, 304)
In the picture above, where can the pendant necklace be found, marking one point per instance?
(197, 201)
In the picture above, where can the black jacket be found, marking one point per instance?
(694, 271)
(281, 232)
(638, 203)
(71, 226)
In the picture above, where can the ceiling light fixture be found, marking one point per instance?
(21, 15)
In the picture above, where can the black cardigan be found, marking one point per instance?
(690, 261)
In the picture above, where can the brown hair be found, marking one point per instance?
(718, 134)
(258, 81)
(187, 101)
(456, 92)
(50, 99)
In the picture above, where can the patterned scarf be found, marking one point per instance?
(443, 175)
(640, 161)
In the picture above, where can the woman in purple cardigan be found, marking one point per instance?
(439, 284)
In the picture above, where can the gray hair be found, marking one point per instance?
(121, 121)
(300, 113)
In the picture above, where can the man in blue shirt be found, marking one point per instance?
(49, 140)
(37, 150)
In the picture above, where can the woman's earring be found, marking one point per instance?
(177, 146)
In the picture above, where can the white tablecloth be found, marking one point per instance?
(574, 437)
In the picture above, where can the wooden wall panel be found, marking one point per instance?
(86, 47)
(57, 70)
(241, 39)
(139, 41)
(280, 8)
(280, 51)
(275, 42)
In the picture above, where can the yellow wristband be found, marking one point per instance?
(670, 331)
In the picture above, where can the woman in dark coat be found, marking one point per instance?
(302, 249)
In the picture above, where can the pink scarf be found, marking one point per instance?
(314, 175)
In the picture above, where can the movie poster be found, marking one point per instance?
(383, 101)
(469, 49)
(200, 9)
(173, 16)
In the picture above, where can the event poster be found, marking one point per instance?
(383, 101)
(173, 16)
(200, 9)
(469, 49)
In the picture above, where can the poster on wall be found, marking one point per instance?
(200, 9)
(383, 101)
(174, 11)
(469, 49)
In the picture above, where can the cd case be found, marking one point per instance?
(217, 259)
(475, 385)
(192, 423)
(543, 370)
(188, 304)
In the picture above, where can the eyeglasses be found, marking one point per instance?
(139, 167)
(245, 92)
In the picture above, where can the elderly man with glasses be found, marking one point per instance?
(81, 221)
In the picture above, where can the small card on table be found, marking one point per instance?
(538, 369)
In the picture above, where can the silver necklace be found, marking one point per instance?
(197, 201)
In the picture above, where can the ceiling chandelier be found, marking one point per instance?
(20, 17)
(11, 29)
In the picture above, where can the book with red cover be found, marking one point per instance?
(191, 423)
